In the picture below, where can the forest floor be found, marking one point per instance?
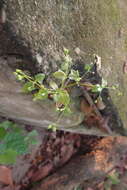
(64, 161)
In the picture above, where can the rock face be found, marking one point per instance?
(16, 105)
(99, 26)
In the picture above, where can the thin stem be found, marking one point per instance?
(60, 116)
(81, 84)
(31, 80)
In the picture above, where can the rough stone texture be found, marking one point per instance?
(98, 26)
(16, 105)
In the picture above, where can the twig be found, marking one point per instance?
(104, 124)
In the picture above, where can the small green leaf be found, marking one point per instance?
(104, 83)
(39, 78)
(97, 88)
(66, 51)
(119, 93)
(6, 124)
(19, 71)
(53, 85)
(68, 60)
(52, 127)
(2, 133)
(28, 87)
(30, 138)
(15, 141)
(88, 67)
(9, 157)
(42, 94)
(65, 66)
(62, 97)
(19, 76)
(33, 133)
(74, 75)
(59, 75)
(67, 111)
(114, 178)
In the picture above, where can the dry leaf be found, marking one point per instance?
(6, 175)
(100, 104)
(86, 108)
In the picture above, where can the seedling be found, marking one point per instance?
(56, 91)
(58, 86)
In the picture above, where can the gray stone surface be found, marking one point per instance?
(99, 26)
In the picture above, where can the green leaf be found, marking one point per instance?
(19, 71)
(74, 75)
(6, 124)
(28, 87)
(59, 75)
(15, 141)
(88, 67)
(68, 60)
(67, 111)
(2, 133)
(33, 133)
(62, 97)
(97, 88)
(9, 157)
(66, 51)
(19, 77)
(30, 138)
(104, 83)
(42, 94)
(39, 78)
(52, 127)
(114, 178)
(53, 85)
(65, 66)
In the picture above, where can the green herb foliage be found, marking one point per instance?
(14, 142)
(61, 80)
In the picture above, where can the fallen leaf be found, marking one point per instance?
(100, 104)
(86, 108)
(6, 175)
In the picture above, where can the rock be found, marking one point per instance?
(98, 27)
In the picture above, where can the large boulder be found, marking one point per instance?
(97, 26)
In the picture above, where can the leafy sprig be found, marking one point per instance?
(14, 142)
(62, 79)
